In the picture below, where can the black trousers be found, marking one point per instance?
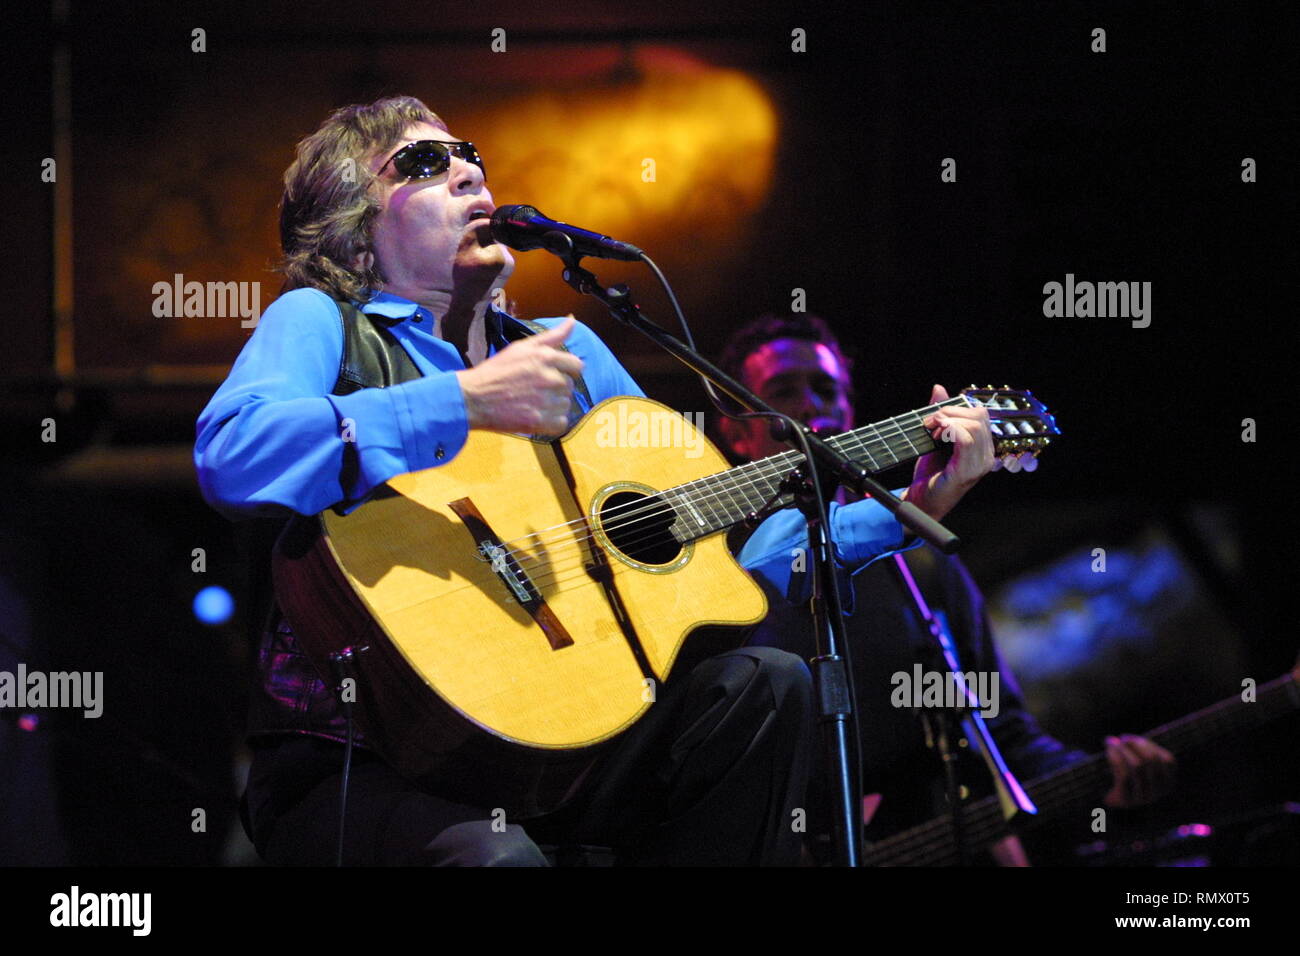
(713, 775)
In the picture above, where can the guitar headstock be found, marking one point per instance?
(1021, 425)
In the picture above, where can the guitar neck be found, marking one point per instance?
(717, 502)
(931, 844)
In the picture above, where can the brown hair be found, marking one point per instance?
(327, 212)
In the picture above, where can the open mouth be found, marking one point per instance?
(481, 222)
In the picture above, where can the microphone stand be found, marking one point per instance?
(830, 683)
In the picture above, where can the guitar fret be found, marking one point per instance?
(908, 440)
(707, 500)
(689, 520)
(726, 499)
(865, 449)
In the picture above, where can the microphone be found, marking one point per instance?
(523, 228)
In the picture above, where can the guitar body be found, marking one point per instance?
(512, 627)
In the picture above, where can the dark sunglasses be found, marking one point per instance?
(429, 157)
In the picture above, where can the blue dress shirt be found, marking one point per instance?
(272, 436)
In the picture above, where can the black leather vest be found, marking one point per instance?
(291, 697)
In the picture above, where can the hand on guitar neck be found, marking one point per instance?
(941, 479)
(1143, 771)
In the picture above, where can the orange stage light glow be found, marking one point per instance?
(675, 159)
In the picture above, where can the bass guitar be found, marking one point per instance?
(931, 843)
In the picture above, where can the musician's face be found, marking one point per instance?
(799, 378)
(425, 238)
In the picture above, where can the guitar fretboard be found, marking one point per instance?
(931, 844)
(717, 502)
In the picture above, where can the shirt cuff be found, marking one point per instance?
(432, 418)
(865, 531)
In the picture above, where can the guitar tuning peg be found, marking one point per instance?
(1011, 463)
(997, 464)
(1028, 462)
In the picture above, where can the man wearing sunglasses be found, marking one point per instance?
(388, 256)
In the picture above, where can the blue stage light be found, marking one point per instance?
(214, 605)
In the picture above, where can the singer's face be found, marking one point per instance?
(799, 378)
(426, 238)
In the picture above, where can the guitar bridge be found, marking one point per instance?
(506, 568)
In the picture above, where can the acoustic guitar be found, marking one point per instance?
(507, 614)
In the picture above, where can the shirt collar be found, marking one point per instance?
(392, 307)
(395, 307)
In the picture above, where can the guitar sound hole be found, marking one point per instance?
(639, 526)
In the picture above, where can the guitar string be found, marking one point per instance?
(774, 464)
(983, 820)
(780, 463)
(980, 821)
(658, 508)
(719, 500)
(557, 566)
(575, 544)
(930, 842)
(727, 486)
(658, 534)
(551, 569)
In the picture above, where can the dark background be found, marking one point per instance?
(1119, 166)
